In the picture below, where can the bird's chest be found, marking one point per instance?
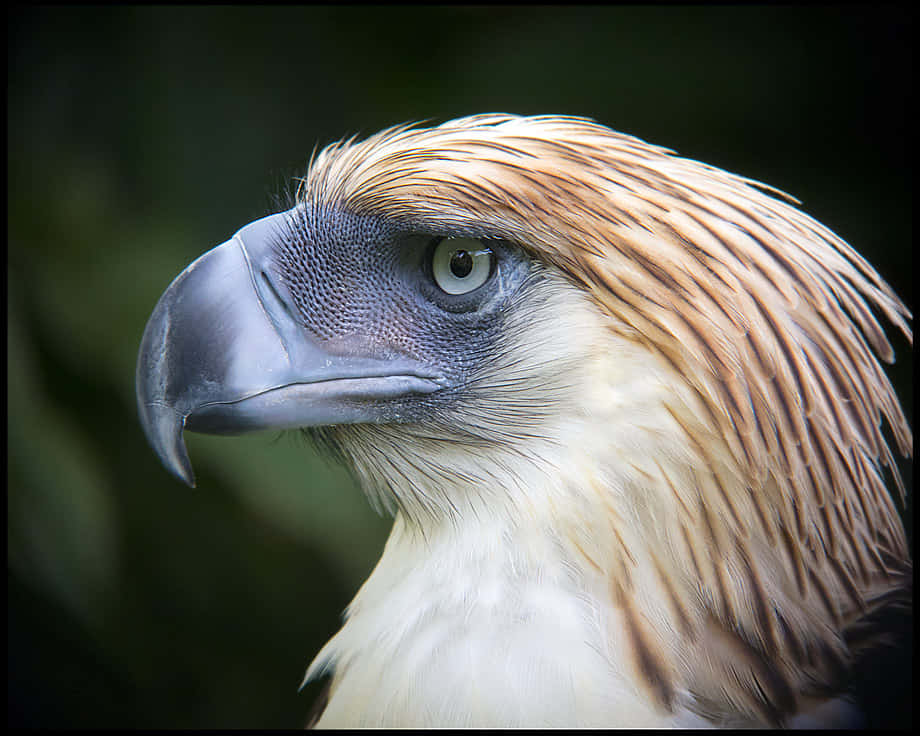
(476, 638)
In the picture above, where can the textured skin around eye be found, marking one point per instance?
(328, 273)
(359, 286)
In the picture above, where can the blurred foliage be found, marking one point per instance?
(140, 137)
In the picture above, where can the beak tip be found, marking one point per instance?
(163, 422)
(184, 472)
(164, 427)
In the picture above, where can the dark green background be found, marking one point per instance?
(139, 138)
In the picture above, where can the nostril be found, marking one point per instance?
(270, 291)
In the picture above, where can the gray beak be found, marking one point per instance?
(224, 353)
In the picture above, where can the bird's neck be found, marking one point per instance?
(479, 627)
(492, 617)
(504, 611)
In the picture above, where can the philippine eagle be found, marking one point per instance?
(627, 410)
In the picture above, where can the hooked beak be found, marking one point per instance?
(223, 353)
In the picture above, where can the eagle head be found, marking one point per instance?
(627, 410)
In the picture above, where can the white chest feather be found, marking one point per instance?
(472, 630)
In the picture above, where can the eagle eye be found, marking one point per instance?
(460, 265)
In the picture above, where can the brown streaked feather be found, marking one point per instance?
(678, 610)
(764, 616)
(319, 705)
(647, 656)
(742, 680)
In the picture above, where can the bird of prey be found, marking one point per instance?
(627, 409)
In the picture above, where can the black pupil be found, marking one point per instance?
(461, 263)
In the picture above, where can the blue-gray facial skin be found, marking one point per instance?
(362, 286)
(291, 324)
